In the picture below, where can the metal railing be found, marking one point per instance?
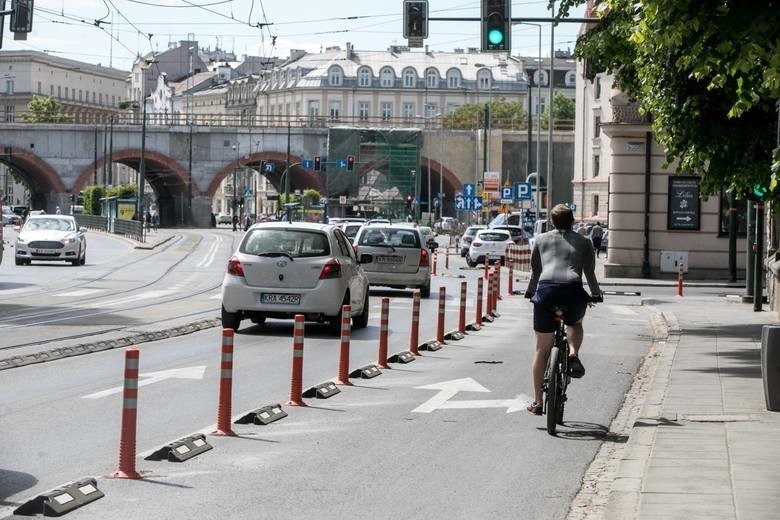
(132, 229)
(629, 114)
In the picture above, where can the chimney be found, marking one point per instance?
(296, 54)
(349, 50)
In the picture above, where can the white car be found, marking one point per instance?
(51, 238)
(10, 218)
(282, 269)
(396, 256)
(488, 244)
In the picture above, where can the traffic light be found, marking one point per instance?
(350, 162)
(317, 163)
(408, 202)
(415, 19)
(496, 25)
(21, 18)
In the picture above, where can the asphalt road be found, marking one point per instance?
(381, 448)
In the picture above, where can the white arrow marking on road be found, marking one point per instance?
(155, 377)
(448, 389)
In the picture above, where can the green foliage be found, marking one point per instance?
(92, 196)
(45, 110)
(507, 115)
(563, 112)
(312, 195)
(708, 74)
(123, 191)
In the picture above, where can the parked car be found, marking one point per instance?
(51, 238)
(282, 269)
(222, 218)
(488, 245)
(429, 238)
(10, 218)
(518, 234)
(468, 236)
(397, 255)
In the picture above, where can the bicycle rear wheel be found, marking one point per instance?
(553, 390)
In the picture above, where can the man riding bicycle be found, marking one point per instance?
(558, 261)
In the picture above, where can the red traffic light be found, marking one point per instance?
(350, 162)
(408, 198)
(317, 163)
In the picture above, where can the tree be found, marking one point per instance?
(45, 110)
(563, 112)
(507, 115)
(92, 195)
(708, 74)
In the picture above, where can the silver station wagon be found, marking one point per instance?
(282, 269)
(395, 256)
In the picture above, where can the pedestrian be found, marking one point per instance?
(596, 235)
(213, 220)
(247, 222)
(235, 222)
(155, 220)
(148, 220)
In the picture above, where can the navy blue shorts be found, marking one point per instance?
(570, 295)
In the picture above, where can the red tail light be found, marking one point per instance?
(476, 244)
(355, 247)
(332, 269)
(424, 259)
(235, 268)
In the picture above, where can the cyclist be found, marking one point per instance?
(558, 261)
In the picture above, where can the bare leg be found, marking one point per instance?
(574, 334)
(544, 342)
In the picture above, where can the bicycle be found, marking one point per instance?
(556, 375)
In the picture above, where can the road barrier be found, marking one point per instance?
(478, 317)
(462, 310)
(435, 262)
(496, 290)
(680, 280)
(346, 332)
(182, 449)
(296, 380)
(225, 406)
(61, 500)
(497, 268)
(414, 332)
(383, 325)
(519, 257)
(447, 258)
(511, 283)
(487, 267)
(442, 310)
(129, 417)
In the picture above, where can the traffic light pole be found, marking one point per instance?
(518, 20)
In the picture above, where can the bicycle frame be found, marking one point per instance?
(556, 376)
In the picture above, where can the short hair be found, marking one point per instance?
(562, 216)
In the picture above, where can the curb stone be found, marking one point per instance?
(610, 486)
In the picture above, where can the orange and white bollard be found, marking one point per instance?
(447, 258)
(435, 262)
(346, 332)
(496, 290)
(511, 283)
(383, 322)
(225, 406)
(462, 310)
(487, 267)
(296, 381)
(489, 299)
(414, 332)
(680, 280)
(498, 280)
(442, 310)
(480, 290)
(129, 417)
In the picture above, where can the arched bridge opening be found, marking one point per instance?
(42, 182)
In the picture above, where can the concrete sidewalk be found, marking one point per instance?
(700, 441)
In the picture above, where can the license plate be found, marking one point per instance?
(45, 251)
(385, 259)
(283, 299)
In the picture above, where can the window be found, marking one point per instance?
(100, 97)
(93, 98)
(113, 101)
(80, 95)
(453, 79)
(432, 78)
(451, 108)
(51, 90)
(364, 77)
(59, 92)
(596, 165)
(9, 113)
(742, 208)
(363, 108)
(597, 88)
(387, 77)
(571, 78)
(335, 77)
(387, 110)
(483, 79)
(314, 109)
(39, 88)
(431, 110)
(408, 110)
(66, 92)
(541, 106)
(9, 86)
(596, 127)
(410, 78)
(595, 210)
(540, 77)
(334, 110)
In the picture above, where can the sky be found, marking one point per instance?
(114, 32)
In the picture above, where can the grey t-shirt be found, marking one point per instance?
(563, 256)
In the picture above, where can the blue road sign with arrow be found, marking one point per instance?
(460, 202)
(271, 167)
(476, 203)
(469, 190)
(341, 163)
(308, 164)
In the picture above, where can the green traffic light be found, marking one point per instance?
(495, 37)
(759, 191)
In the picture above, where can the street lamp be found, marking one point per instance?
(142, 162)
(538, 118)
(235, 184)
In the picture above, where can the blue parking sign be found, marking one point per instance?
(507, 193)
(523, 190)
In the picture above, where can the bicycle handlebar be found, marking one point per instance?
(599, 298)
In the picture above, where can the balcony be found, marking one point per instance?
(629, 114)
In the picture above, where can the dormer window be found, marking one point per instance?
(364, 77)
(335, 77)
(453, 78)
(432, 78)
(410, 78)
(540, 77)
(387, 77)
(571, 78)
(484, 79)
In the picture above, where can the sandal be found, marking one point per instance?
(534, 408)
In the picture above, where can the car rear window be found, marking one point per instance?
(471, 231)
(493, 237)
(384, 236)
(293, 242)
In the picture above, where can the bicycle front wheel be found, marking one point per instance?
(553, 390)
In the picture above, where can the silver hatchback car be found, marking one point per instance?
(282, 269)
(395, 256)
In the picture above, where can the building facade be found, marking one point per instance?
(88, 93)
